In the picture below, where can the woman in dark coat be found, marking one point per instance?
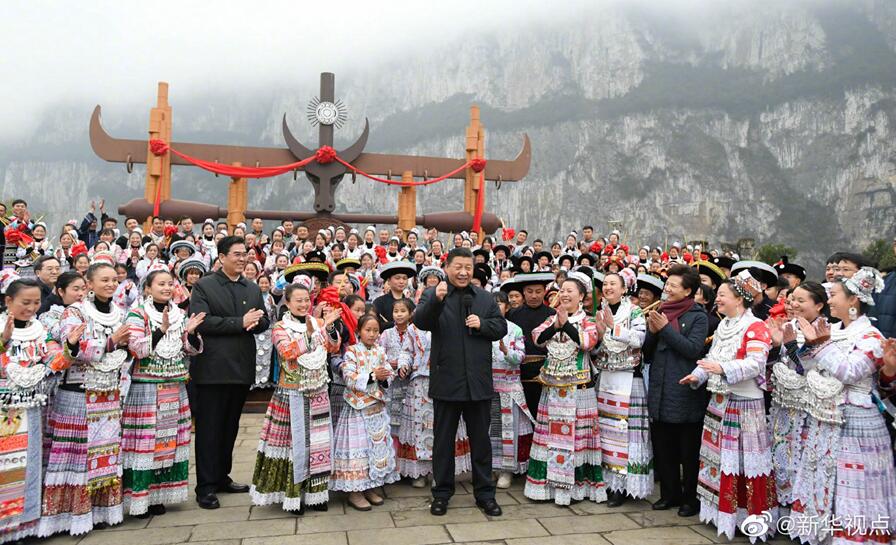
(675, 338)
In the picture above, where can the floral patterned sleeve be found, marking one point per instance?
(756, 344)
(634, 334)
(588, 335)
(406, 350)
(90, 350)
(515, 345)
(140, 341)
(57, 357)
(351, 371)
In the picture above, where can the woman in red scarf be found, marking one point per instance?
(675, 337)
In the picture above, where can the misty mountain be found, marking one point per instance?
(769, 122)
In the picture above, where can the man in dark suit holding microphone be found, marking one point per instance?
(464, 321)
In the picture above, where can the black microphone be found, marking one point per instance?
(468, 308)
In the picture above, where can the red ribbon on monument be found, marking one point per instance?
(323, 155)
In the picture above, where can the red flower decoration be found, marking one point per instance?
(507, 233)
(158, 147)
(477, 164)
(380, 253)
(596, 248)
(325, 155)
(19, 235)
(170, 231)
(79, 248)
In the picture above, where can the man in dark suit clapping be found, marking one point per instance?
(223, 372)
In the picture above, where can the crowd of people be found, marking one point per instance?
(583, 367)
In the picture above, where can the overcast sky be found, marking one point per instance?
(114, 52)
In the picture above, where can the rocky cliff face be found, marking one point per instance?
(749, 120)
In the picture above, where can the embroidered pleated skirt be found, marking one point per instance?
(363, 449)
(565, 459)
(845, 486)
(293, 463)
(155, 445)
(21, 472)
(82, 482)
(627, 453)
(736, 479)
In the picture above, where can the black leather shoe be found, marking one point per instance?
(320, 507)
(490, 507)
(438, 507)
(615, 499)
(157, 509)
(208, 501)
(687, 510)
(234, 488)
(663, 504)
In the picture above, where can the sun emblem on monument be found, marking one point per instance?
(327, 113)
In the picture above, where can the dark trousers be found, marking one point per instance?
(676, 454)
(477, 416)
(217, 408)
(531, 388)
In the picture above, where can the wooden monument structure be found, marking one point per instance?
(328, 114)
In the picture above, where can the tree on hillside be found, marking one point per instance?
(771, 253)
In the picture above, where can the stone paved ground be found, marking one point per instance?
(403, 520)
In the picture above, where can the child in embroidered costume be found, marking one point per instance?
(621, 397)
(565, 460)
(156, 422)
(846, 470)
(512, 425)
(363, 453)
(397, 344)
(294, 452)
(736, 480)
(28, 356)
(356, 306)
(82, 485)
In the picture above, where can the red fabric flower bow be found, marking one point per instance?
(325, 155)
(158, 147)
(477, 164)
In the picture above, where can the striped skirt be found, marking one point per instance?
(565, 460)
(155, 445)
(736, 479)
(846, 476)
(625, 440)
(511, 432)
(415, 434)
(69, 505)
(281, 451)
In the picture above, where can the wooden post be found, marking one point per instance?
(237, 200)
(475, 147)
(407, 203)
(158, 167)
